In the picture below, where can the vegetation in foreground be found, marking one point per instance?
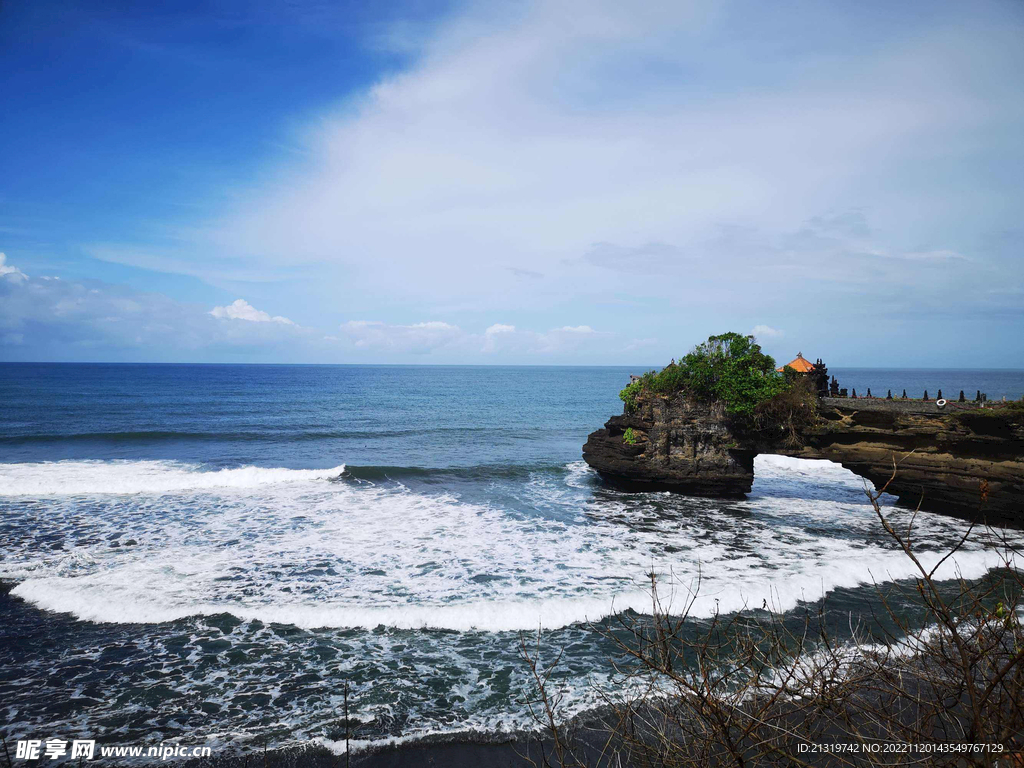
(755, 689)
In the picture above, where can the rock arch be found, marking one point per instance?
(960, 459)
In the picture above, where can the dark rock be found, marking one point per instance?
(681, 446)
(962, 459)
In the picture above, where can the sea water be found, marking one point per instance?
(216, 553)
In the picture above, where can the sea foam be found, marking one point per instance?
(283, 546)
(121, 601)
(63, 478)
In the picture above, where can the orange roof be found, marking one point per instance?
(799, 364)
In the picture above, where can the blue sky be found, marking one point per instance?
(564, 182)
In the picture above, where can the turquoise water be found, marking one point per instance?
(213, 552)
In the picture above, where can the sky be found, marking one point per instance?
(598, 182)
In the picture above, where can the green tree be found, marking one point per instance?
(729, 368)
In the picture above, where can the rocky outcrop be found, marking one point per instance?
(680, 446)
(958, 459)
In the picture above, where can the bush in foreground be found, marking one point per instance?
(758, 689)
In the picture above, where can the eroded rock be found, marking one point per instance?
(680, 446)
(961, 459)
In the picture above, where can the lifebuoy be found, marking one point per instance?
(940, 403)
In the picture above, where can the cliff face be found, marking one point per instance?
(947, 459)
(955, 459)
(680, 446)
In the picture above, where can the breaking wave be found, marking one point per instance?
(149, 542)
(119, 600)
(66, 478)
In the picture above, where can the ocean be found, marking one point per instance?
(215, 553)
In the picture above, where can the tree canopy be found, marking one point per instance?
(729, 368)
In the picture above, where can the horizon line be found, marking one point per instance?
(465, 365)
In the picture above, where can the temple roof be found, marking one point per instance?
(799, 363)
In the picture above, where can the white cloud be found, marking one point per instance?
(641, 344)
(707, 164)
(572, 339)
(497, 151)
(418, 338)
(51, 318)
(491, 343)
(762, 332)
(48, 318)
(9, 270)
(499, 339)
(435, 325)
(240, 309)
(576, 329)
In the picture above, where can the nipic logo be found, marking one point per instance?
(85, 749)
(55, 748)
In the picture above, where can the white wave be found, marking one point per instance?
(62, 478)
(578, 473)
(765, 460)
(264, 544)
(550, 552)
(721, 591)
(111, 605)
